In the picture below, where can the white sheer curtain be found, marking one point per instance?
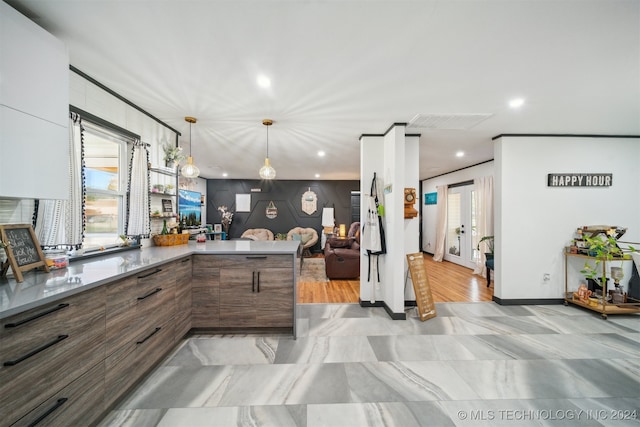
(483, 195)
(138, 222)
(60, 222)
(441, 222)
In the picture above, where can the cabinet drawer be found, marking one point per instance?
(78, 404)
(244, 261)
(42, 355)
(135, 302)
(130, 362)
(183, 270)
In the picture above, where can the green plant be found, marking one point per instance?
(172, 153)
(488, 241)
(603, 249)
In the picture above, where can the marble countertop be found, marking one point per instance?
(40, 288)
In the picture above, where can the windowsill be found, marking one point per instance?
(97, 253)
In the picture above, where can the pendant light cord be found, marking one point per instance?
(267, 142)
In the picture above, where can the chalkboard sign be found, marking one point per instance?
(421, 287)
(22, 248)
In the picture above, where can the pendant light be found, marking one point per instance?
(266, 171)
(189, 170)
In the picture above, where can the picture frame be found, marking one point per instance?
(217, 228)
(167, 205)
(431, 199)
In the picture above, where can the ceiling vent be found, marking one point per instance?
(447, 121)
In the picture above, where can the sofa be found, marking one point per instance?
(342, 255)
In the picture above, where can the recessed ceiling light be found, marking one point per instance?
(317, 175)
(516, 102)
(263, 81)
(460, 154)
(321, 153)
(224, 174)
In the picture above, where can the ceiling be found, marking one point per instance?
(341, 69)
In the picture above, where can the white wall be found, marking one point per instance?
(429, 212)
(534, 222)
(411, 229)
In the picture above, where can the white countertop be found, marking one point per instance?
(40, 288)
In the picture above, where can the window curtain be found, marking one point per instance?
(138, 209)
(441, 222)
(61, 222)
(483, 196)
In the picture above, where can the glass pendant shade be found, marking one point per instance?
(267, 172)
(189, 170)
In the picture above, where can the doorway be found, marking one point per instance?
(461, 225)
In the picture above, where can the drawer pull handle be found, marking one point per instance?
(153, 292)
(157, 270)
(256, 257)
(58, 404)
(36, 351)
(258, 273)
(253, 281)
(186, 260)
(37, 316)
(149, 336)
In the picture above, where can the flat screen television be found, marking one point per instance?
(189, 207)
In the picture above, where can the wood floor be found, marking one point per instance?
(449, 283)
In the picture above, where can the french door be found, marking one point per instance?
(461, 226)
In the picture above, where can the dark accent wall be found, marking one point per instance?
(287, 196)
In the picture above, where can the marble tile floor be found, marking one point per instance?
(475, 364)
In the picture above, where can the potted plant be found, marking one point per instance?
(603, 249)
(172, 155)
(488, 243)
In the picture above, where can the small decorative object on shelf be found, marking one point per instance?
(172, 155)
(164, 228)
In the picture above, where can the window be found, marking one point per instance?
(105, 166)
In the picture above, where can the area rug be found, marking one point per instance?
(313, 270)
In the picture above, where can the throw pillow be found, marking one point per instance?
(296, 237)
(262, 235)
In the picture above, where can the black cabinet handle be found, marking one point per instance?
(256, 257)
(157, 270)
(36, 351)
(186, 260)
(253, 281)
(58, 404)
(37, 316)
(149, 336)
(258, 281)
(153, 292)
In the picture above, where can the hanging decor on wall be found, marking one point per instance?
(271, 211)
(309, 202)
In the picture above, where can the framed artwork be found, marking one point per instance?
(243, 202)
(167, 205)
(431, 199)
(217, 228)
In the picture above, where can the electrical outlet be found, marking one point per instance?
(546, 277)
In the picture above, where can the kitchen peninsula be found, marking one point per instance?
(75, 340)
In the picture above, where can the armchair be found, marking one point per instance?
(258, 234)
(307, 236)
(342, 256)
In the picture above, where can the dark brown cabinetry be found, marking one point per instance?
(139, 326)
(183, 269)
(45, 349)
(243, 291)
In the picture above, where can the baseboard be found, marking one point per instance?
(532, 301)
(392, 315)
